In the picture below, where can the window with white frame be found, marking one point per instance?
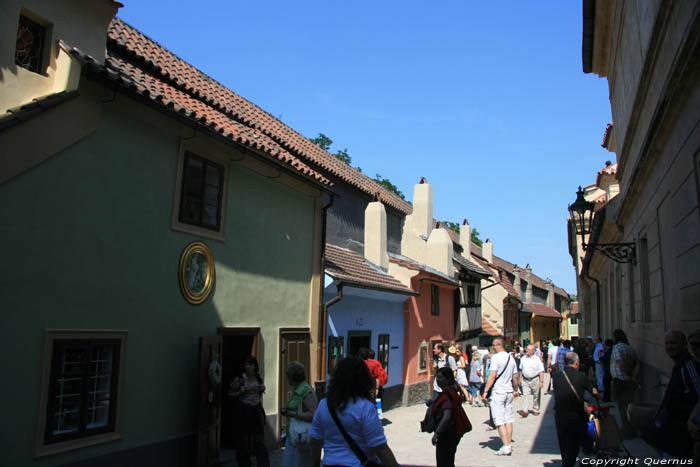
(80, 389)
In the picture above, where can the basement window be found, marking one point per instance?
(29, 51)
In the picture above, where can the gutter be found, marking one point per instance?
(588, 35)
(360, 285)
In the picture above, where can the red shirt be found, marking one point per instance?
(376, 371)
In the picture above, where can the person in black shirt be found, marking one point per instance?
(570, 417)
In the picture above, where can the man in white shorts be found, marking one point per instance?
(505, 389)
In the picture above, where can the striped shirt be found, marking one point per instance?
(626, 353)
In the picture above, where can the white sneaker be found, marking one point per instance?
(504, 451)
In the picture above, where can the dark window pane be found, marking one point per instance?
(201, 192)
(81, 390)
(30, 38)
(213, 176)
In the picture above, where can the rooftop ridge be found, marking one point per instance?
(136, 45)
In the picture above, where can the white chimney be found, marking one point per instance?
(422, 208)
(440, 251)
(375, 235)
(465, 239)
(487, 250)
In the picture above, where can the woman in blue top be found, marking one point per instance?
(349, 396)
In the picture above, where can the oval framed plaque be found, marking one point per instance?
(197, 273)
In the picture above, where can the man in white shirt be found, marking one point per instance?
(531, 379)
(552, 361)
(441, 359)
(505, 390)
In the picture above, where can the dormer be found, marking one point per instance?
(33, 59)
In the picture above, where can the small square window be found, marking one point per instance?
(201, 193)
(29, 51)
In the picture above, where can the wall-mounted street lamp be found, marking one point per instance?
(582, 216)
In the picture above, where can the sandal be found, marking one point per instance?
(490, 428)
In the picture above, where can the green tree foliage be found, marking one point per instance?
(455, 226)
(325, 143)
(389, 186)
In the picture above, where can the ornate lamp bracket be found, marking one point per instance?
(618, 252)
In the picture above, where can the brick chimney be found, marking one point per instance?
(516, 282)
(528, 277)
(487, 250)
(549, 286)
(440, 251)
(465, 239)
(375, 234)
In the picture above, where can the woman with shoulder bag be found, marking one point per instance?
(453, 421)
(248, 389)
(346, 425)
(299, 411)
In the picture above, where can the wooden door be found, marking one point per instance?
(294, 346)
(209, 401)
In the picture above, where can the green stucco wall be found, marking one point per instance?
(89, 245)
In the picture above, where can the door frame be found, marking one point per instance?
(357, 333)
(281, 377)
(226, 331)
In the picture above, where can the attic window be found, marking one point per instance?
(30, 44)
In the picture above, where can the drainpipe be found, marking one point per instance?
(323, 308)
(597, 293)
(323, 326)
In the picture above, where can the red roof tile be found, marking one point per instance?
(609, 128)
(488, 329)
(539, 309)
(346, 265)
(162, 73)
(411, 264)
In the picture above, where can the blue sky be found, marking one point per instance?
(487, 100)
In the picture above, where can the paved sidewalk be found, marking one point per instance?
(534, 439)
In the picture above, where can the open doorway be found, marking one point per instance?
(238, 344)
(358, 340)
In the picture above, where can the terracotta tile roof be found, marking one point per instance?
(27, 111)
(345, 265)
(536, 280)
(416, 266)
(171, 80)
(471, 266)
(500, 275)
(539, 309)
(488, 329)
(574, 308)
(610, 169)
(138, 79)
(609, 128)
